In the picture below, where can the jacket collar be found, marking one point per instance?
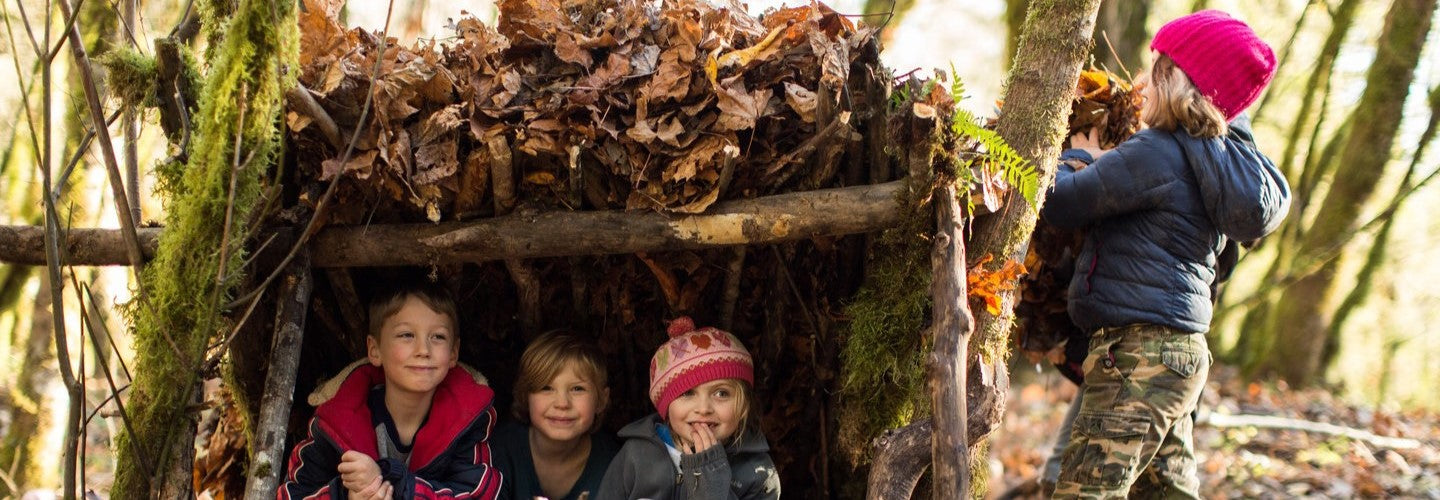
(751, 442)
(459, 400)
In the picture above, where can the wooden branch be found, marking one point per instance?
(900, 459)
(952, 327)
(759, 221)
(112, 166)
(84, 247)
(301, 101)
(1272, 422)
(269, 461)
(774, 219)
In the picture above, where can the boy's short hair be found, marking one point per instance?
(546, 356)
(1179, 104)
(436, 297)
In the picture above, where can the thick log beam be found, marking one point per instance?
(269, 462)
(82, 247)
(772, 219)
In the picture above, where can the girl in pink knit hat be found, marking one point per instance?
(702, 443)
(1160, 210)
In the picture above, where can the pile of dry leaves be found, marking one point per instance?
(583, 104)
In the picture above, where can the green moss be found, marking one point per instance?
(179, 311)
(132, 76)
(883, 362)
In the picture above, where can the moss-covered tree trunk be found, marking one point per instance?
(1122, 24)
(1053, 44)
(1258, 335)
(1014, 23)
(179, 314)
(1375, 258)
(1303, 308)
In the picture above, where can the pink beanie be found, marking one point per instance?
(1221, 54)
(692, 357)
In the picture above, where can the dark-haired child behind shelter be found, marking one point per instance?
(556, 449)
(1159, 209)
(407, 421)
(703, 443)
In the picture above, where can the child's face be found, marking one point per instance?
(715, 404)
(416, 348)
(564, 409)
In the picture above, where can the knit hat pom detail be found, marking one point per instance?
(693, 356)
(680, 326)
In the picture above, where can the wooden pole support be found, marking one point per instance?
(952, 327)
(269, 462)
(900, 460)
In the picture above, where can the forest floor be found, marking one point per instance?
(1246, 461)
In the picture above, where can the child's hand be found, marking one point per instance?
(1089, 142)
(702, 439)
(377, 489)
(358, 471)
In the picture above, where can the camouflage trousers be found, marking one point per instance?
(1133, 432)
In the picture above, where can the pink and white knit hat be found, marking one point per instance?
(692, 357)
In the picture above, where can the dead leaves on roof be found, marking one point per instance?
(655, 97)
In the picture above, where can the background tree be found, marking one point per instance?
(1304, 307)
(1122, 41)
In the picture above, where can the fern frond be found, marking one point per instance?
(1019, 173)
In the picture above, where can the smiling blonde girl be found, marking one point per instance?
(700, 383)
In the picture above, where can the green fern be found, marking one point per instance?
(1018, 173)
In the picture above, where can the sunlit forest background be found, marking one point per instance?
(1366, 333)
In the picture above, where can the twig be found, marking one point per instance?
(97, 116)
(96, 411)
(24, 90)
(72, 17)
(230, 196)
(91, 317)
(1221, 420)
(300, 100)
(1106, 35)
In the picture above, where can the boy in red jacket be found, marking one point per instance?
(407, 424)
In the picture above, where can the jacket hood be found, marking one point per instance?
(1245, 195)
(343, 412)
(750, 442)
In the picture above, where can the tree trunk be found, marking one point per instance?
(1315, 85)
(1121, 23)
(1014, 23)
(1284, 56)
(20, 448)
(1376, 257)
(1055, 40)
(179, 312)
(1303, 307)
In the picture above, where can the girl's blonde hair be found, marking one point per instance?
(747, 416)
(546, 357)
(1178, 104)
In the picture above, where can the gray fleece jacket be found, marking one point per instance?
(643, 469)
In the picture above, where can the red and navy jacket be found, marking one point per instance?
(450, 456)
